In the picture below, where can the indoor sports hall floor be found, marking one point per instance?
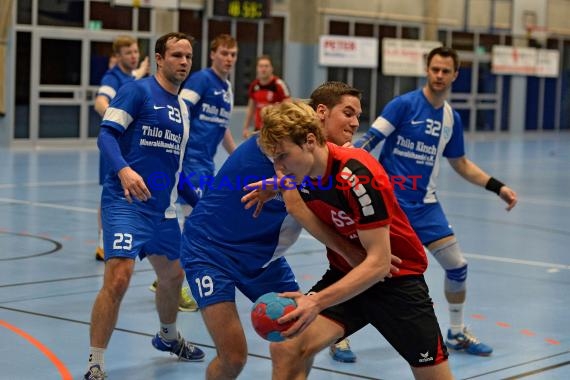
(519, 284)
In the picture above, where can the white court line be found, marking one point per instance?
(522, 200)
(46, 184)
(49, 205)
(540, 264)
(518, 261)
(305, 235)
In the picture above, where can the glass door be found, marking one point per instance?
(66, 70)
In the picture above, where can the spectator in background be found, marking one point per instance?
(265, 89)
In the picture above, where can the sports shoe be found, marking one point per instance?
(95, 373)
(184, 350)
(465, 340)
(186, 301)
(341, 352)
(99, 254)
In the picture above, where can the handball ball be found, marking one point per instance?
(266, 311)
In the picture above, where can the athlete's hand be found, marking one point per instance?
(394, 262)
(133, 185)
(305, 313)
(509, 196)
(259, 193)
(143, 69)
(245, 133)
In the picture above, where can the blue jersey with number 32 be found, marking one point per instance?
(417, 136)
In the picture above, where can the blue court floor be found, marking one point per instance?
(518, 296)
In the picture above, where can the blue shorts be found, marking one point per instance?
(427, 220)
(213, 282)
(128, 232)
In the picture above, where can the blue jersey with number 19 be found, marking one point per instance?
(155, 127)
(220, 230)
(417, 136)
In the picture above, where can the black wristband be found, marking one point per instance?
(494, 185)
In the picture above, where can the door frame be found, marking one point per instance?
(83, 94)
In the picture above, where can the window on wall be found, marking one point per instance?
(60, 13)
(24, 12)
(22, 85)
(338, 28)
(385, 84)
(190, 22)
(247, 36)
(111, 17)
(462, 41)
(362, 78)
(273, 44)
(245, 65)
(144, 19)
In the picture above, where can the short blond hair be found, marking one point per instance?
(293, 120)
(121, 42)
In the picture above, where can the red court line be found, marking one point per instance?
(65, 374)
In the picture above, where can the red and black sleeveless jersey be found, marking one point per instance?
(356, 194)
(263, 94)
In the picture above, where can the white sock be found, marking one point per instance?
(100, 242)
(96, 357)
(456, 317)
(169, 331)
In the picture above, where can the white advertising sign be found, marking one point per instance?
(547, 63)
(513, 60)
(344, 51)
(405, 57)
(525, 61)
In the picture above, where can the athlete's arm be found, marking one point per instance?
(375, 266)
(228, 141)
(132, 183)
(248, 116)
(474, 174)
(375, 135)
(108, 143)
(101, 104)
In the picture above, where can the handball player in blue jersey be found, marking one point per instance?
(210, 98)
(209, 93)
(419, 129)
(225, 248)
(126, 55)
(143, 136)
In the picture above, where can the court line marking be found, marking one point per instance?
(46, 184)
(522, 199)
(540, 264)
(517, 261)
(537, 371)
(525, 363)
(129, 331)
(57, 245)
(455, 194)
(49, 205)
(62, 369)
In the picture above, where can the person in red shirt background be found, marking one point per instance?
(265, 89)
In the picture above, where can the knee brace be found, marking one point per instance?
(452, 261)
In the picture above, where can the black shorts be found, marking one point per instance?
(400, 309)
